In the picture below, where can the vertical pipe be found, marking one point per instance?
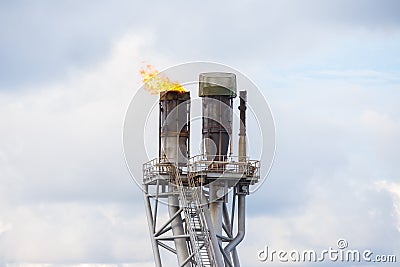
(213, 236)
(231, 116)
(160, 107)
(177, 227)
(235, 258)
(188, 130)
(216, 207)
(241, 198)
(156, 205)
(227, 220)
(229, 227)
(150, 222)
(242, 129)
(241, 226)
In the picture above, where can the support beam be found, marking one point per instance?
(177, 227)
(241, 225)
(164, 226)
(213, 236)
(216, 211)
(161, 244)
(150, 222)
(172, 238)
(228, 227)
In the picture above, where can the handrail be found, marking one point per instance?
(204, 164)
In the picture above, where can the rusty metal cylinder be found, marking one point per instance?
(218, 90)
(174, 126)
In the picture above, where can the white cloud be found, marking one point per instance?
(44, 39)
(335, 140)
(65, 193)
(394, 190)
(334, 210)
(4, 227)
(76, 232)
(366, 74)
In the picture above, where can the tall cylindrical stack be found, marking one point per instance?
(174, 149)
(174, 127)
(217, 90)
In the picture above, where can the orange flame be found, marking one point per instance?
(154, 83)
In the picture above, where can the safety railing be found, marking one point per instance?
(224, 164)
(204, 164)
(154, 168)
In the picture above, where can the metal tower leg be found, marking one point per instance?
(216, 208)
(241, 226)
(229, 226)
(150, 220)
(177, 227)
(213, 236)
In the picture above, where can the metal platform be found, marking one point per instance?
(230, 169)
(204, 169)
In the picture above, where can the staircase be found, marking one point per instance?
(200, 240)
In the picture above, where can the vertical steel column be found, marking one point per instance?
(177, 227)
(150, 222)
(241, 194)
(241, 227)
(216, 202)
(214, 240)
(242, 129)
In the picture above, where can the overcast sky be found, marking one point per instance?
(330, 71)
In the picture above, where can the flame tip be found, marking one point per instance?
(155, 83)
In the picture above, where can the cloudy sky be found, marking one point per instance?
(68, 69)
